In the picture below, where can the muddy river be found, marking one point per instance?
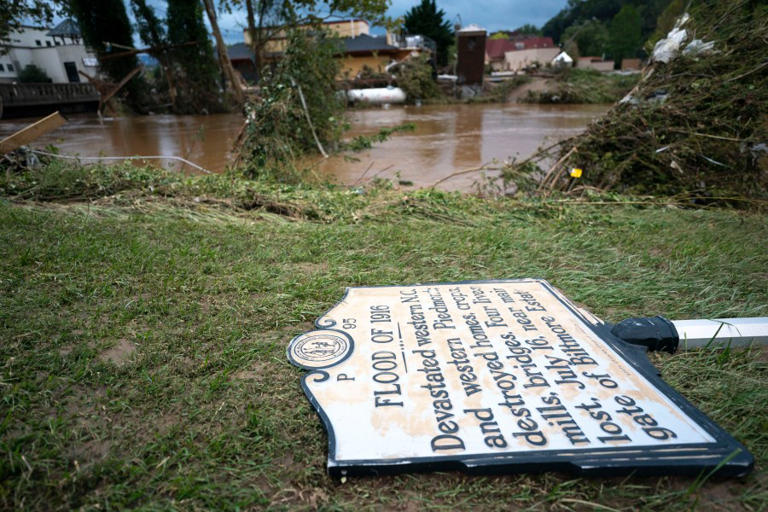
(447, 138)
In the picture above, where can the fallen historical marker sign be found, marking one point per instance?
(495, 377)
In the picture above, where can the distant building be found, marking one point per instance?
(631, 64)
(470, 64)
(519, 60)
(562, 60)
(596, 63)
(59, 52)
(243, 60)
(496, 49)
(360, 49)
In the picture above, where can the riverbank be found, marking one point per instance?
(569, 86)
(145, 318)
(447, 138)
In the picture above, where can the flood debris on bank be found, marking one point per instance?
(582, 86)
(694, 127)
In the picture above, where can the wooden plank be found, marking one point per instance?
(119, 86)
(31, 132)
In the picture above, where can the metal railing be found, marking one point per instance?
(23, 95)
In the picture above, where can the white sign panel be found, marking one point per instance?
(493, 376)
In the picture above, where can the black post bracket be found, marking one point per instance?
(654, 333)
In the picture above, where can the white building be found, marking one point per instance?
(59, 52)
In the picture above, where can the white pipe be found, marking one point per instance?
(739, 332)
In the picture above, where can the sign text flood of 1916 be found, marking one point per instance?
(494, 376)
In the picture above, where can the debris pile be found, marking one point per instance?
(696, 126)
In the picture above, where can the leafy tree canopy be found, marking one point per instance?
(528, 29)
(586, 38)
(578, 11)
(625, 33)
(33, 74)
(427, 20)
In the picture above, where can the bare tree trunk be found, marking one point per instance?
(251, 24)
(221, 48)
(255, 37)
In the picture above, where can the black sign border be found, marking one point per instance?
(724, 457)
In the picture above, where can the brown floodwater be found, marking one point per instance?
(447, 138)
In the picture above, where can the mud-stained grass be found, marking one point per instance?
(142, 351)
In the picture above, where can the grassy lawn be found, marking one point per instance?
(143, 335)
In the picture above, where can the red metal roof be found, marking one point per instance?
(496, 48)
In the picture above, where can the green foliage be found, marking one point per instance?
(528, 29)
(65, 179)
(579, 11)
(107, 21)
(197, 70)
(362, 142)
(427, 20)
(625, 34)
(415, 78)
(588, 38)
(33, 74)
(151, 31)
(277, 130)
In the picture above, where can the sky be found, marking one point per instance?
(492, 15)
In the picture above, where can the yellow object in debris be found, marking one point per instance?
(576, 172)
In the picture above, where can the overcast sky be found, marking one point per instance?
(490, 14)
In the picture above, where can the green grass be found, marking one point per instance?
(142, 337)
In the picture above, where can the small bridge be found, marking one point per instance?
(27, 100)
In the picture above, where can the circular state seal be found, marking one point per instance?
(319, 349)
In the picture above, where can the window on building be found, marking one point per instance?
(38, 43)
(58, 43)
(10, 67)
(2, 68)
(47, 43)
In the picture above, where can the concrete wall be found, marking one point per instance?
(519, 59)
(351, 65)
(51, 60)
(631, 64)
(50, 55)
(597, 65)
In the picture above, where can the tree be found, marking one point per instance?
(299, 108)
(577, 11)
(528, 30)
(590, 38)
(153, 34)
(196, 64)
(106, 21)
(426, 19)
(221, 49)
(33, 74)
(625, 34)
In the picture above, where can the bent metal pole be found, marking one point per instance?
(659, 333)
